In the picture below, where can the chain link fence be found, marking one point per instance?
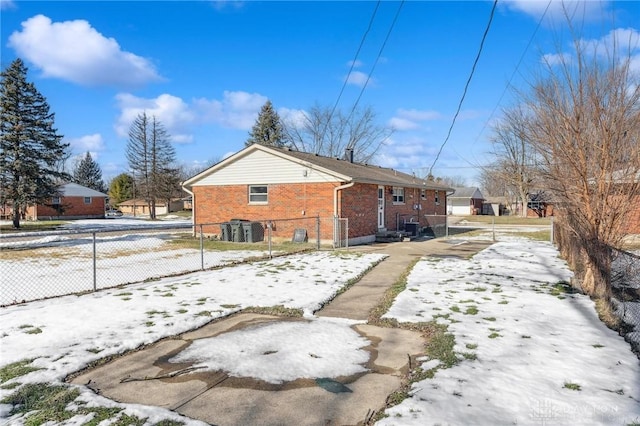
(623, 268)
(625, 282)
(49, 264)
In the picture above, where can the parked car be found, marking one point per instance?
(110, 213)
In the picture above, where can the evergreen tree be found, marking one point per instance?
(87, 173)
(30, 147)
(121, 189)
(151, 157)
(268, 128)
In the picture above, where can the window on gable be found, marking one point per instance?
(258, 194)
(87, 200)
(55, 200)
(398, 194)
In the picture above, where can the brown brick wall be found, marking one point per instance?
(359, 204)
(74, 207)
(633, 221)
(216, 204)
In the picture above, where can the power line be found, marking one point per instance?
(466, 87)
(353, 63)
(393, 23)
(514, 71)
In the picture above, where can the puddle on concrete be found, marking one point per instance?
(149, 377)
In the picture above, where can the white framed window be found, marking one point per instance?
(437, 199)
(87, 200)
(258, 194)
(55, 200)
(398, 194)
(423, 194)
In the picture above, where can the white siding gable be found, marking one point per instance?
(260, 167)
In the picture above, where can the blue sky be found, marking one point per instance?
(205, 68)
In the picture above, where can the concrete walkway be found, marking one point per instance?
(146, 377)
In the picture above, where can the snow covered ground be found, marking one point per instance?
(30, 271)
(530, 353)
(65, 334)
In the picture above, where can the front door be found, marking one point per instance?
(380, 207)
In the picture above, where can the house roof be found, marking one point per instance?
(342, 169)
(75, 190)
(467, 192)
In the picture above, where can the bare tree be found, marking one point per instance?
(584, 123)
(331, 134)
(151, 157)
(514, 156)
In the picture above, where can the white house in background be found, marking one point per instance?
(465, 201)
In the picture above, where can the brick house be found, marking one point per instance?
(72, 201)
(267, 183)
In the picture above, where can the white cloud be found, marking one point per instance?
(620, 43)
(174, 114)
(358, 78)
(419, 115)
(92, 143)
(535, 8)
(401, 124)
(236, 110)
(294, 117)
(356, 64)
(7, 4)
(556, 58)
(75, 51)
(409, 119)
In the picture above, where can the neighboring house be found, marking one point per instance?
(139, 207)
(465, 201)
(72, 201)
(495, 206)
(266, 183)
(633, 220)
(539, 205)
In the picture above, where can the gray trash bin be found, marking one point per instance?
(225, 231)
(237, 231)
(253, 232)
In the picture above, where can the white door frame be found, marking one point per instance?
(381, 207)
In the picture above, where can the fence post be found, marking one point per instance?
(493, 227)
(201, 249)
(269, 226)
(318, 232)
(446, 226)
(95, 279)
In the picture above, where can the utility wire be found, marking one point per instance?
(514, 71)
(466, 87)
(353, 63)
(393, 23)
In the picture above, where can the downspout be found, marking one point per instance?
(335, 206)
(335, 196)
(193, 208)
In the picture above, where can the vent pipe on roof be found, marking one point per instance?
(348, 154)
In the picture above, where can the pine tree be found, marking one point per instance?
(30, 147)
(151, 157)
(121, 189)
(87, 173)
(268, 128)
